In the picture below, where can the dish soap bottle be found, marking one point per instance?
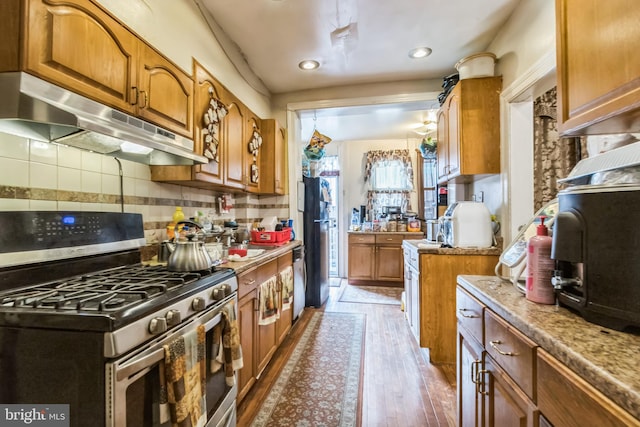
(540, 267)
(178, 216)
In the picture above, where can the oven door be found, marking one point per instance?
(133, 382)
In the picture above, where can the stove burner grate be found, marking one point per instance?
(101, 291)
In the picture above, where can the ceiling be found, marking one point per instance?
(355, 42)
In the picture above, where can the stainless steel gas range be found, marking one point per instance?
(84, 323)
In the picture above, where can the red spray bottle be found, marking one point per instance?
(540, 267)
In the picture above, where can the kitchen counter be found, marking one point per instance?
(426, 247)
(244, 265)
(416, 233)
(605, 358)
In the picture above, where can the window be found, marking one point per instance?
(390, 177)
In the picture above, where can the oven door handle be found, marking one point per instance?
(133, 367)
(150, 359)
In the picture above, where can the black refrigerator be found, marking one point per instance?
(316, 240)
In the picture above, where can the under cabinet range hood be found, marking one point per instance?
(33, 108)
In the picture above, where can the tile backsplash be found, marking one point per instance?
(37, 175)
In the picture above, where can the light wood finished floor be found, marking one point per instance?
(400, 387)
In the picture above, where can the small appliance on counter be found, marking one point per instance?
(596, 239)
(467, 225)
(595, 245)
(433, 233)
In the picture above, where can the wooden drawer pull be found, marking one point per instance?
(494, 344)
(469, 316)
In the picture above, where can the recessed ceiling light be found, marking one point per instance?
(309, 64)
(419, 52)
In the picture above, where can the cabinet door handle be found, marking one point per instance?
(250, 282)
(494, 345)
(480, 384)
(474, 372)
(468, 316)
(135, 92)
(145, 98)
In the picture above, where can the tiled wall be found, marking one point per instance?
(41, 176)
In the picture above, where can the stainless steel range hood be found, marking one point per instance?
(35, 109)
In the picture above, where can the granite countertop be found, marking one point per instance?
(244, 265)
(417, 233)
(605, 358)
(268, 255)
(426, 247)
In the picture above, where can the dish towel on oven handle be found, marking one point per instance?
(286, 284)
(268, 299)
(183, 382)
(226, 345)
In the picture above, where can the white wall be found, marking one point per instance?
(525, 48)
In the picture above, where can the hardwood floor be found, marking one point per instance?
(400, 387)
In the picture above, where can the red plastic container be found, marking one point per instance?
(271, 236)
(237, 251)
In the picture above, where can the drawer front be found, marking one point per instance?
(267, 270)
(247, 282)
(514, 352)
(565, 399)
(362, 238)
(389, 239)
(470, 314)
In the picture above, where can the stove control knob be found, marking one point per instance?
(226, 288)
(158, 325)
(173, 317)
(199, 304)
(217, 294)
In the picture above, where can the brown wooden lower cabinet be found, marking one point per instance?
(377, 257)
(565, 399)
(437, 299)
(505, 379)
(259, 342)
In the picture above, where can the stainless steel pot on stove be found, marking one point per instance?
(189, 255)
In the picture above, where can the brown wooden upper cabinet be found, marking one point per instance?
(469, 130)
(273, 158)
(598, 66)
(253, 171)
(206, 88)
(78, 45)
(233, 167)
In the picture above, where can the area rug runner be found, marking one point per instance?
(321, 382)
(371, 294)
